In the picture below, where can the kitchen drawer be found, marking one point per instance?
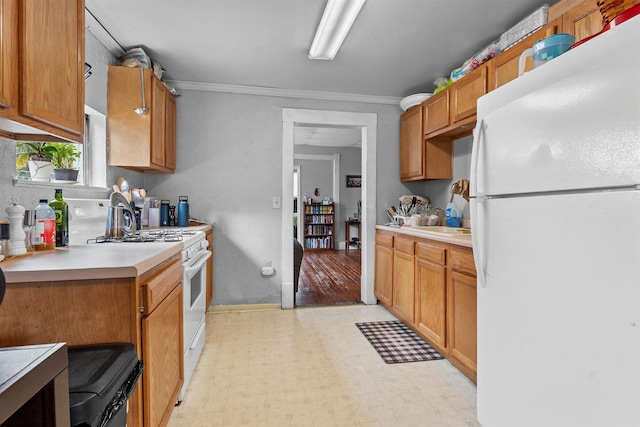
(431, 253)
(404, 245)
(461, 259)
(156, 287)
(384, 238)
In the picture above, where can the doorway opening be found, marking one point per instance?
(367, 125)
(327, 274)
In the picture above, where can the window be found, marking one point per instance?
(84, 164)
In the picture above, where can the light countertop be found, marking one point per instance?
(450, 236)
(91, 261)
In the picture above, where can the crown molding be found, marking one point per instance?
(285, 93)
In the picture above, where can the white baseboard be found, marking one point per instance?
(243, 307)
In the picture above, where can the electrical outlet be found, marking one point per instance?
(276, 202)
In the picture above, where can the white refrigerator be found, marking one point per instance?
(555, 176)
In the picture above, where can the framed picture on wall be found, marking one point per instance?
(354, 181)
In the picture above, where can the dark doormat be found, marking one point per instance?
(396, 343)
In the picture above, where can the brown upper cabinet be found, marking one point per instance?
(581, 18)
(505, 67)
(422, 159)
(411, 145)
(465, 94)
(140, 142)
(451, 113)
(42, 68)
(436, 112)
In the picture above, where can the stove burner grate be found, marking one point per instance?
(146, 236)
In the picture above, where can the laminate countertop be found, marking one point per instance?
(441, 234)
(91, 261)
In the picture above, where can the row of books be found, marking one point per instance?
(318, 209)
(319, 219)
(318, 242)
(318, 229)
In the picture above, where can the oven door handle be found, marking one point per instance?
(189, 272)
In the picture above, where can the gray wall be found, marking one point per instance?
(439, 192)
(229, 161)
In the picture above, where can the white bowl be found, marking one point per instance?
(413, 100)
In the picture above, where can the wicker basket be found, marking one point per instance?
(612, 8)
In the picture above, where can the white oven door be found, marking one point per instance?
(194, 285)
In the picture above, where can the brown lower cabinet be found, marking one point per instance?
(145, 311)
(431, 286)
(404, 293)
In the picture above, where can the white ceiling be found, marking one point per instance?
(395, 47)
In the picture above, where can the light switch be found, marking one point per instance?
(276, 202)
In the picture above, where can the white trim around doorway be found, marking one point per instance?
(368, 123)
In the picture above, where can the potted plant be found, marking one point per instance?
(37, 157)
(64, 161)
(43, 158)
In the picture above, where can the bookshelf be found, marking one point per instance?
(319, 226)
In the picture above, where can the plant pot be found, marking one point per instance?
(70, 175)
(40, 170)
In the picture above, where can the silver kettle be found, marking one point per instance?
(120, 218)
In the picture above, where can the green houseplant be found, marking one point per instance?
(43, 158)
(37, 158)
(64, 161)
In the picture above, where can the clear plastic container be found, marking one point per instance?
(44, 237)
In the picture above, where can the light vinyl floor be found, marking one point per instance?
(313, 367)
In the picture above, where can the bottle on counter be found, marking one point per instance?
(44, 237)
(164, 212)
(5, 240)
(452, 217)
(183, 211)
(61, 211)
(172, 215)
(29, 224)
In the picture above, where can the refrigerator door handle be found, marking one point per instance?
(477, 204)
(478, 134)
(478, 240)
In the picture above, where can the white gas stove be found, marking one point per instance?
(88, 220)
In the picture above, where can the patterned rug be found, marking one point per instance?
(396, 343)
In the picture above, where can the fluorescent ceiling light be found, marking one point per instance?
(336, 21)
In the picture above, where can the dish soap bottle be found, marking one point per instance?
(452, 216)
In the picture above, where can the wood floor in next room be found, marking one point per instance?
(329, 278)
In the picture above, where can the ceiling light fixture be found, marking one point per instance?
(336, 22)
